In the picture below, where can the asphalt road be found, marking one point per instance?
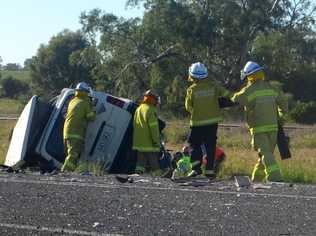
(33, 204)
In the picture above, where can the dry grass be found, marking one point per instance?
(7, 107)
(97, 168)
(20, 75)
(10, 106)
(236, 143)
(241, 158)
(300, 168)
(5, 130)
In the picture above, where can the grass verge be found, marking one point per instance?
(22, 75)
(10, 106)
(5, 130)
(235, 142)
(241, 158)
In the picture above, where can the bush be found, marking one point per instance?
(304, 113)
(12, 88)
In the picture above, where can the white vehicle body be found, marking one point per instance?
(27, 133)
(20, 136)
(104, 136)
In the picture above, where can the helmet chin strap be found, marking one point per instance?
(256, 76)
(81, 94)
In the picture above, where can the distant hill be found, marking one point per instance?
(23, 75)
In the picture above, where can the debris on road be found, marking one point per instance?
(242, 181)
(261, 186)
(95, 224)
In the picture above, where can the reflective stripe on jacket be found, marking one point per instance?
(202, 102)
(146, 136)
(261, 102)
(79, 113)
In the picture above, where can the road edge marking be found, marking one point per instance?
(55, 230)
(107, 186)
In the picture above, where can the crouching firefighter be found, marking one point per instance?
(80, 112)
(261, 103)
(146, 135)
(202, 103)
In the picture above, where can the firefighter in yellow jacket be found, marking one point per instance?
(261, 103)
(146, 136)
(79, 113)
(202, 103)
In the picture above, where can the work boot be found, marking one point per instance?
(194, 173)
(68, 166)
(54, 172)
(210, 174)
(166, 173)
(140, 170)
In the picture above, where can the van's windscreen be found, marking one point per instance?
(115, 101)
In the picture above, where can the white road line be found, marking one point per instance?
(134, 186)
(54, 230)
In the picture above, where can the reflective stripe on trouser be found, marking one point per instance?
(73, 149)
(266, 168)
(148, 160)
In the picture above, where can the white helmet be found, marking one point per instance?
(84, 87)
(250, 68)
(198, 71)
(151, 93)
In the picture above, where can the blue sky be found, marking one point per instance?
(25, 24)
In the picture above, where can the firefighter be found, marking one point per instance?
(80, 112)
(261, 103)
(202, 103)
(146, 135)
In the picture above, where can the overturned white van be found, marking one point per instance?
(108, 139)
(27, 132)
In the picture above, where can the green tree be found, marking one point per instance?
(27, 64)
(304, 112)
(58, 64)
(155, 51)
(13, 88)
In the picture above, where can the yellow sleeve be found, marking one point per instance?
(240, 97)
(154, 127)
(188, 101)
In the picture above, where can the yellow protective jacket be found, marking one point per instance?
(79, 113)
(202, 102)
(146, 136)
(261, 103)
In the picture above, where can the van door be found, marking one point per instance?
(104, 136)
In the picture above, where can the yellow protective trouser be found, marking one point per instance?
(266, 168)
(148, 160)
(73, 149)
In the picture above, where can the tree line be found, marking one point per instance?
(127, 56)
